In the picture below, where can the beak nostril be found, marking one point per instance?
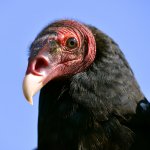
(40, 65)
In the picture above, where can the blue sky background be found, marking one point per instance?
(128, 22)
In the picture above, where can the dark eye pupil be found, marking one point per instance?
(71, 42)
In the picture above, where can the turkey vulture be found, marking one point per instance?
(89, 99)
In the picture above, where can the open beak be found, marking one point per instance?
(36, 75)
(42, 69)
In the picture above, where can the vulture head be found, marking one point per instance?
(64, 48)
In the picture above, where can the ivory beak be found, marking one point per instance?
(31, 85)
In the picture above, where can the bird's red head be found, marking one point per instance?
(63, 48)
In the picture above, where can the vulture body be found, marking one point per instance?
(90, 99)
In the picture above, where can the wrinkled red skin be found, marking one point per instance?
(52, 63)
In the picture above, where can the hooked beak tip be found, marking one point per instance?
(31, 85)
(30, 100)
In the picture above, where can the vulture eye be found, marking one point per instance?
(71, 42)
